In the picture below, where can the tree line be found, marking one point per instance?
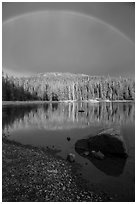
(66, 86)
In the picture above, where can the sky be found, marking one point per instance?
(77, 37)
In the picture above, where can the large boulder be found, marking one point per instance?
(107, 151)
(109, 142)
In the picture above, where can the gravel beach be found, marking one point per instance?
(34, 174)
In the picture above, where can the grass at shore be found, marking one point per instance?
(34, 174)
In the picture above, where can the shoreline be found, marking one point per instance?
(67, 101)
(39, 175)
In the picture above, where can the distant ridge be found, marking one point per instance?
(65, 74)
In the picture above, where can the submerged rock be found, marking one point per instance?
(71, 157)
(98, 155)
(86, 153)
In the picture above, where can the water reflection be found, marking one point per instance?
(35, 125)
(110, 166)
(54, 116)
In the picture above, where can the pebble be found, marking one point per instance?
(64, 188)
(53, 171)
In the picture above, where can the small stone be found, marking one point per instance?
(68, 138)
(64, 188)
(71, 157)
(53, 171)
(98, 155)
(86, 153)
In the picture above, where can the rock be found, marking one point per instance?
(86, 153)
(64, 188)
(115, 152)
(98, 155)
(81, 111)
(68, 138)
(71, 157)
(53, 171)
(108, 142)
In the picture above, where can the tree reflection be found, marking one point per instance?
(67, 115)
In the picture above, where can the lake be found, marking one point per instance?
(59, 126)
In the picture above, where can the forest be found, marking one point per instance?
(66, 86)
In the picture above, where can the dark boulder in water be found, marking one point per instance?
(109, 142)
(107, 151)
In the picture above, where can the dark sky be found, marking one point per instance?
(90, 38)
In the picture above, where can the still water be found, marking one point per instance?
(60, 125)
